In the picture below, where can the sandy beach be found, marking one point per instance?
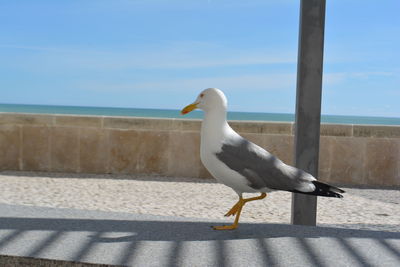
(374, 209)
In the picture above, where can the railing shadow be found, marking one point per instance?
(177, 234)
(183, 230)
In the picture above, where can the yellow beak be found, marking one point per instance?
(188, 108)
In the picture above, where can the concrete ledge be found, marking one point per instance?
(167, 124)
(26, 119)
(78, 121)
(16, 261)
(336, 130)
(376, 131)
(80, 236)
(349, 154)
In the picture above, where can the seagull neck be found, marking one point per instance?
(215, 121)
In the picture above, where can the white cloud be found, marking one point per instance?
(369, 74)
(249, 83)
(334, 78)
(168, 56)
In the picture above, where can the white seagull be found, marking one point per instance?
(243, 165)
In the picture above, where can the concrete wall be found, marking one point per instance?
(349, 154)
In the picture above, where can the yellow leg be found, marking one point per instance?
(237, 209)
(241, 202)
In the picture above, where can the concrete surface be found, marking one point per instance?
(145, 240)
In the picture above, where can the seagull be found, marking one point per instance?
(243, 165)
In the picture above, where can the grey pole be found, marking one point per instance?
(308, 103)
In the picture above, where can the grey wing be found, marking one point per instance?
(261, 168)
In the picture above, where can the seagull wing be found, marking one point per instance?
(262, 169)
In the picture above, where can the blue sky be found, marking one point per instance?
(162, 53)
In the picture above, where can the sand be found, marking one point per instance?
(374, 209)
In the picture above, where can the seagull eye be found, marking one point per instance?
(201, 95)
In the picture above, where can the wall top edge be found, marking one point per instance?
(189, 124)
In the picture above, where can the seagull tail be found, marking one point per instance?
(324, 190)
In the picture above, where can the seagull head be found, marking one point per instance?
(209, 99)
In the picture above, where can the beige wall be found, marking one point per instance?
(349, 154)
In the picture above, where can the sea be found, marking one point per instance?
(171, 113)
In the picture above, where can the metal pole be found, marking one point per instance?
(308, 103)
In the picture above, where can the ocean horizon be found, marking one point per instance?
(172, 113)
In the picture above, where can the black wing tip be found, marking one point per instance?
(337, 190)
(325, 190)
(328, 194)
(320, 193)
(337, 195)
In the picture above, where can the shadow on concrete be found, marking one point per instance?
(183, 231)
(133, 233)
